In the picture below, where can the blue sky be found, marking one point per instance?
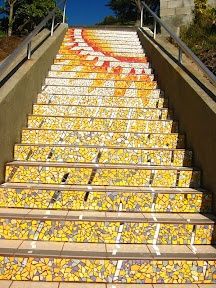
(87, 12)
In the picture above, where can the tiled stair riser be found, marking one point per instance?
(100, 75)
(101, 124)
(86, 70)
(34, 136)
(101, 112)
(109, 69)
(95, 63)
(100, 270)
(86, 154)
(107, 232)
(102, 100)
(101, 91)
(107, 201)
(96, 83)
(105, 176)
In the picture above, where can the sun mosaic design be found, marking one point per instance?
(111, 75)
(99, 140)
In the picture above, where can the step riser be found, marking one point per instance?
(102, 112)
(87, 69)
(106, 232)
(99, 75)
(110, 201)
(103, 100)
(96, 83)
(115, 156)
(106, 43)
(95, 124)
(103, 177)
(103, 139)
(105, 47)
(119, 50)
(106, 38)
(107, 270)
(127, 92)
(94, 62)
(133, 57)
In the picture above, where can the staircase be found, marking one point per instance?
(102, 189)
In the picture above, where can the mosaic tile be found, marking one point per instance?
(107, 155)
(103, 112)
(99, 270)
(117, 91)
(101, 231)
(102, 124)
(106, 201)
(141, 102)
(102, 138)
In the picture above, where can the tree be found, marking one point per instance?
(11, 16)
(124, 10)
(28, 14)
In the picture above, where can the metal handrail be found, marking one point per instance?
(28, 40)
(181, 45)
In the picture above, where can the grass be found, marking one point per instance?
(200, 37)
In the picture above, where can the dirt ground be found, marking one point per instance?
(7, 45)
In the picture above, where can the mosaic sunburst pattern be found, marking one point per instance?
(101, 189)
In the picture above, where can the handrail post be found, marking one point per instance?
(141, 19)
(64, 12)
(53, 24)
(180, 55)
(155, 29)
(29, 51)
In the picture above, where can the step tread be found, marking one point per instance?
(100, 147)
(102, 106)
(97, 216)
(105, 251)
(100, 166)
(31, 284)
(100, 188)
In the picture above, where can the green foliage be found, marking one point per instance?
(200, 35)
(126, 12)
(27, 14)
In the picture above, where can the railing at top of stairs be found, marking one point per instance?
(182, 47)
(27, 42)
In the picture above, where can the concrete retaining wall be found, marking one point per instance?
(193, 108)
(19, 93)
(176, 13)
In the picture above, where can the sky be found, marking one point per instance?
(87, 12)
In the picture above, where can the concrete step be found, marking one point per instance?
(102, 124)
(100, 198)
(126, 139)
(102, 112)
(106, 83)
(101, 174)
(107, 263)
(91, 154)
(66, 49)
(107, 227)
(31, 284)
(122, 56)
(100, 75)
(96, 61)
(110, 101)
(116, 54)
(87, 68)
(76, 44)
(102, 91)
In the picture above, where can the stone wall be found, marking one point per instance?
(178, 12)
